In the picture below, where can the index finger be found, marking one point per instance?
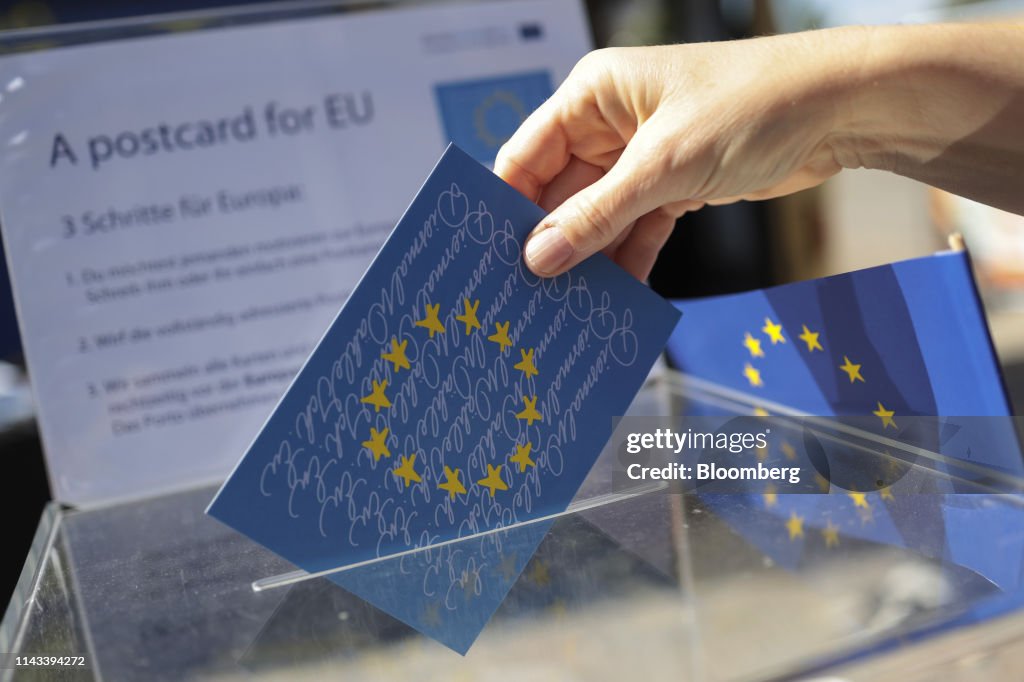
(536, 153)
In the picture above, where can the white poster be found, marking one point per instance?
(184, 215)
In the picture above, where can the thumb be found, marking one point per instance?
(593, 217)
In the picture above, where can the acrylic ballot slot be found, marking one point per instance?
(674, 391)
(293, 577)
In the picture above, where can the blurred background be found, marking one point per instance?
(858, 219)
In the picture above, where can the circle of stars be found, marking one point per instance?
(453, 482)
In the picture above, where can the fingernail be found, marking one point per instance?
(547, 251)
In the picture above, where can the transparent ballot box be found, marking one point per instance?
(917, 579)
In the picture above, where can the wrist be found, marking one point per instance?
(866, 95)
(907, 93)
(826, 74)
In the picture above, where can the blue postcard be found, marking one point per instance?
(454, 394)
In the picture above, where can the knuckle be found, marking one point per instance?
(507, 157)
(589, 61)
(595, 63)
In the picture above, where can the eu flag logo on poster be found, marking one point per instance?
(480, 115)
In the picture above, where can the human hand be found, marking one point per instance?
(635, 137)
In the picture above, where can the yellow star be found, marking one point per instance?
(811, 339)
(753, 345)
(539, 573)
(831, 535)
(377, 398)
(407, 470)
(795, 526)
(860, 500)
(774, 331)
(761, 453)
(761, 412)
(493, 479)
(526, 365)
(522, 456)
(752, 375)
(886, 493)
(823, 484)
(377, 445)
(500, 336)
(469, 317)
(452, 483)
(851, 369)
(788, 450)
(431, 321)
(397, 355)
(770, 497)
(886, 416)
(529, 413)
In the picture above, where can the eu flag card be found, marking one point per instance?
(454, 394)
